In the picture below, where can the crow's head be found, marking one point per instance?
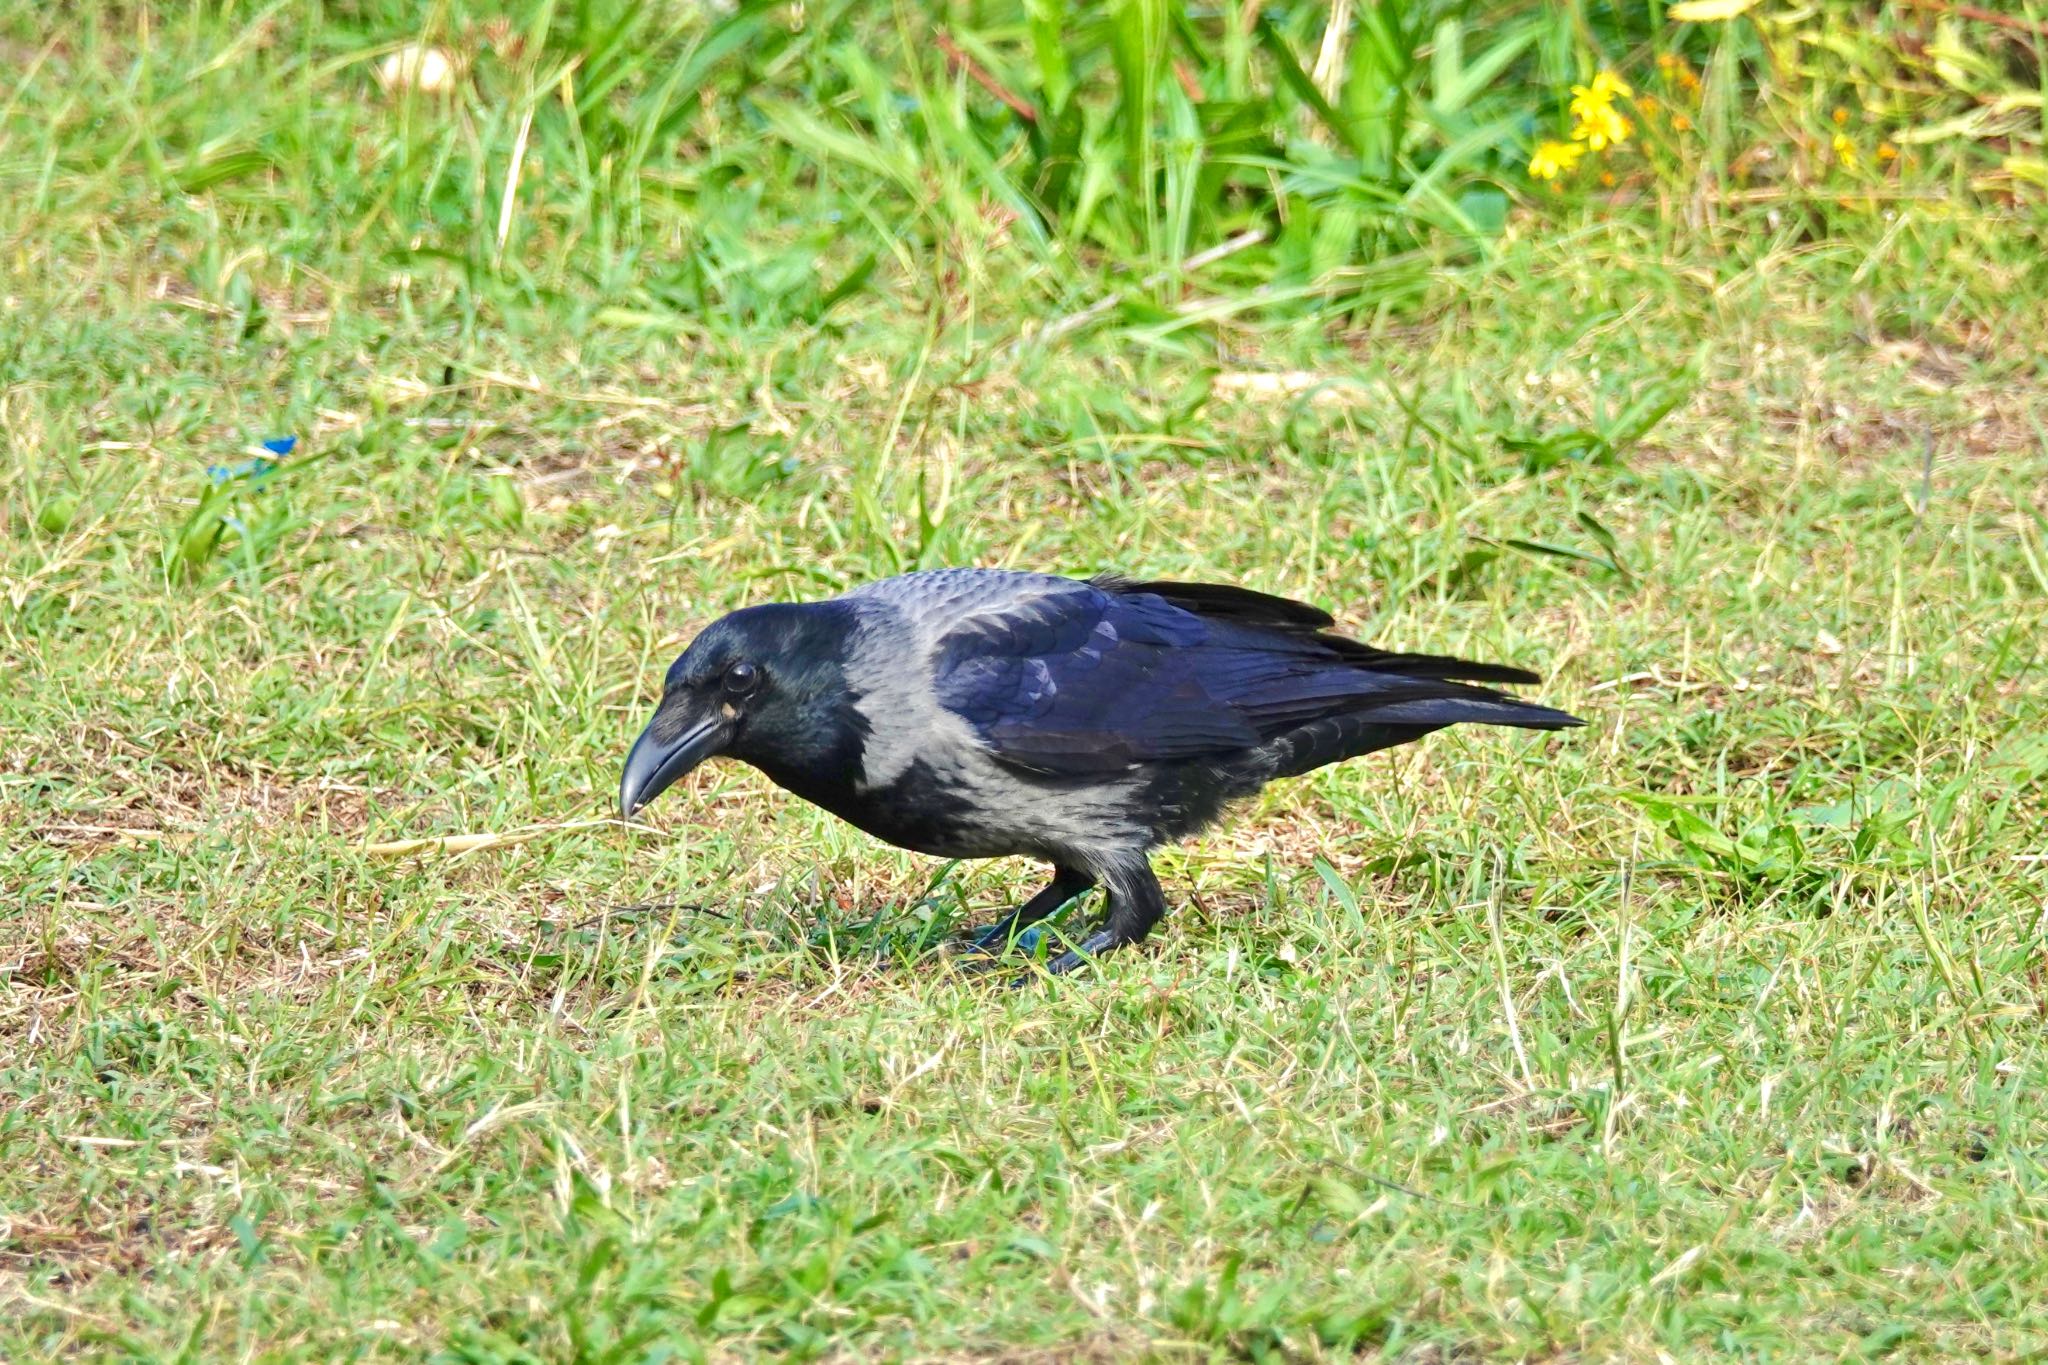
(766, 685)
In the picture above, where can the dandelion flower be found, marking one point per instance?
(1552, 159)
(1609, 129)
(1845, 151)
(1706, 11)
(1600, 125)
(1590, 100)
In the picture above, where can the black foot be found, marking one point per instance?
(972, 960)
(1082, 954)
(990, 952)
(994, 940)
(1085, 953)
(1135, 905)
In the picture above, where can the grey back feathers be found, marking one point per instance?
(998, 811)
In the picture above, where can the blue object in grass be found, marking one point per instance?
(258, 470)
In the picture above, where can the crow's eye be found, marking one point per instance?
(741, 678)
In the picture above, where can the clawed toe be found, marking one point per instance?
(1024, 944)
(972, 963)
(996, 941)
(1135, 904)
(993, 949)
(1085, 953)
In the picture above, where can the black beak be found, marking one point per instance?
(656, 764)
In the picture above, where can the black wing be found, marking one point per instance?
(1098, 677)
(1299, 618)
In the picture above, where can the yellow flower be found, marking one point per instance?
(1607, 129)
(1588, 100)
(1553, 158)
(1845, 151)
(1706, 11)
(1600, 124)
(1887, 152)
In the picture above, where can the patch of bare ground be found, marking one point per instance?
(1856, 411)
(71, 1253)
(161, 795)
(186, 806)
(304, 306)
(45, 964)
(1109, 1344)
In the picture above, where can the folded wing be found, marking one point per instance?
(1099, 677)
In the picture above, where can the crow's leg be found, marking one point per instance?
(1066, 885)
(1135, 905)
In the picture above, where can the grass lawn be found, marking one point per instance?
(1716, 1027)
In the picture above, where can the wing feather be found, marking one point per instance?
(1095, 678)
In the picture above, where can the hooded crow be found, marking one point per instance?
(981, 713)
